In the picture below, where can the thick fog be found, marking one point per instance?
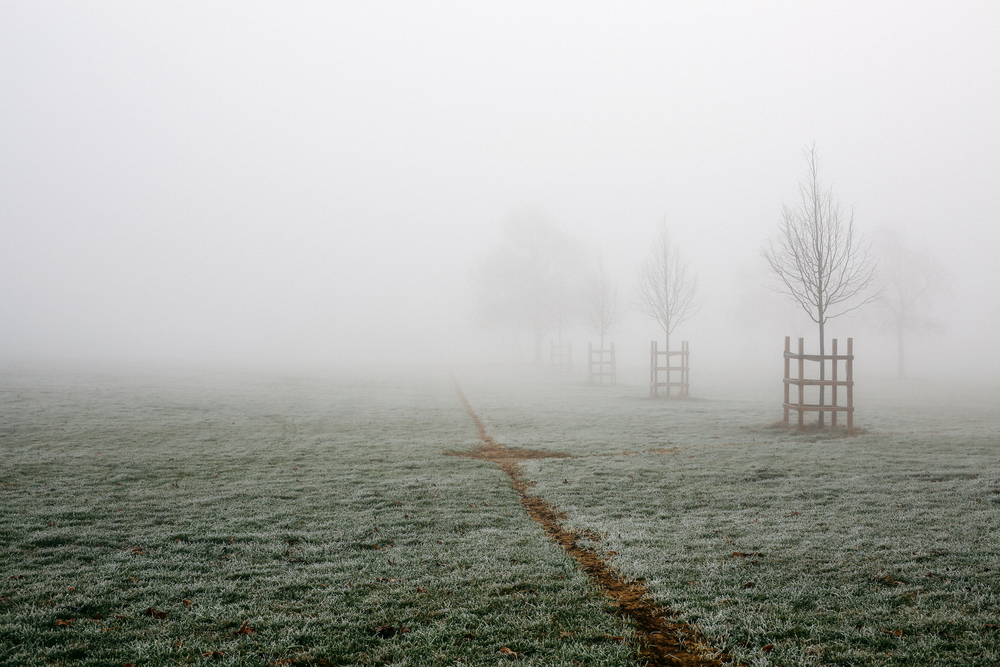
(321, 183)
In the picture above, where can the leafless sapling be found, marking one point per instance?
(666, 290)
(603, 308)
(912, 280)
(823, 263)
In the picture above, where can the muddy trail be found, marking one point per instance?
(663, 642)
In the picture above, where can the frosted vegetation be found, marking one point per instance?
(265, 520)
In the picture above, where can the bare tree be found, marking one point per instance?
(824, 265)
(666, 291)
(913, 281)
(531, 278)
(603, 309)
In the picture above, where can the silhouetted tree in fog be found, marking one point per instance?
(666, 291)
(823, 264)
(532, 279)
(913, 280)
(603, 310)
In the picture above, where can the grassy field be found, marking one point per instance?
(255, 520)
(879, 549)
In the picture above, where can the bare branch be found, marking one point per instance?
(823, 264)
(603, 309)
(665, 291)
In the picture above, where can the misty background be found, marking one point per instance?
(315, 184)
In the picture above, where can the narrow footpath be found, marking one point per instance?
(663, 642)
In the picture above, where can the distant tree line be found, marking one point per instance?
(542, 279)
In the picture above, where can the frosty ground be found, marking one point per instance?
(177, 518)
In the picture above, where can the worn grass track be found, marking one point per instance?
(663, 642)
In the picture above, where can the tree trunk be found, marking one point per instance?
(667, 349)
(900, 354)
(822, 370)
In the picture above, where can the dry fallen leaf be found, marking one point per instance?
(245, 630)
(187, 603)
(897, 633)
(151, 611)
(66, 623)
(768, 648)
(385, 631)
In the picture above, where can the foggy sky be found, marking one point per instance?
(262, 182)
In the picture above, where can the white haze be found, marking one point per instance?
(316, 183)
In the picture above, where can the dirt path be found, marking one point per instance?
(663, 642)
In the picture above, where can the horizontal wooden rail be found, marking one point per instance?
(813, 407)
(819, 357)
(820, 383)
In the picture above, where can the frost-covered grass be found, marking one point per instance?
(258, 520)
(257, 503)
(875, 550)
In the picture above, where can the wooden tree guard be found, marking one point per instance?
(561, 355)
(601, 365)
(800, 406)
(668, 379)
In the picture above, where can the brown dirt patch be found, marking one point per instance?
(663, 642)
(490, 450)
(499, 454)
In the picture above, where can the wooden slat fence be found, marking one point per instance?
(667, 376)
(562, 356)
(601, 365)
(834, 382)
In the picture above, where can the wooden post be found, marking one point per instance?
(788, 361)
(652, 368)
(614, 370)
(801, 375)
(850, 385)
(685, 368)
(666, 367)
(590, 363)
(833, 388)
